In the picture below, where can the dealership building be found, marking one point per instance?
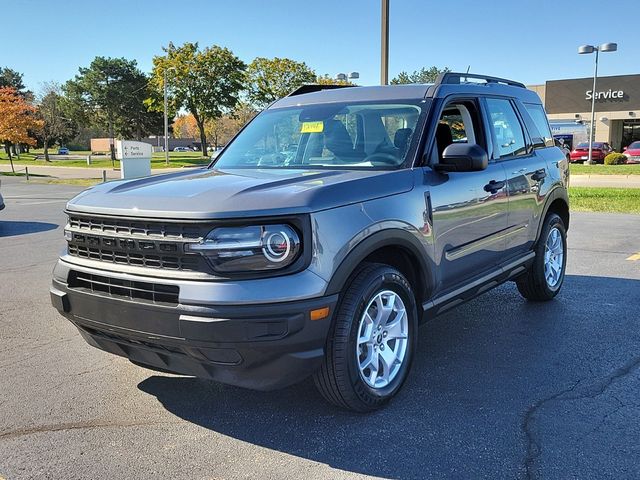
(617, 118)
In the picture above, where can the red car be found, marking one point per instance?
(599, 150)
(633, 152)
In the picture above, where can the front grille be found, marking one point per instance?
(147, 244)
(129, 289)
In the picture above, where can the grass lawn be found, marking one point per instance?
(581, 169)
(176, 160)
(598, 199)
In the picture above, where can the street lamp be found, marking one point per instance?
(343, 77)
(585, 50)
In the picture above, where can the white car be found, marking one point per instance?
(182, 149)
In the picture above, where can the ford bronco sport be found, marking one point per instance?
(334, 223)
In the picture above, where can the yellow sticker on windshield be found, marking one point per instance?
(312, 127)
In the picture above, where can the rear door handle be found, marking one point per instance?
(539, 175)
(493, 186)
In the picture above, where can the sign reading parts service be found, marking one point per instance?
(129, 149)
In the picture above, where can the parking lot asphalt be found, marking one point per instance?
(500, 388)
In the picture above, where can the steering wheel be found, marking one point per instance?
(382, 158)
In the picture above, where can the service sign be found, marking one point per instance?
(612, 94)
(128, 149)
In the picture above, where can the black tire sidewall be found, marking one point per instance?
(383, 278)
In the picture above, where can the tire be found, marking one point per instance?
(341, 378)
(539, 283)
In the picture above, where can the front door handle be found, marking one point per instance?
(493, 186)
(539, 175)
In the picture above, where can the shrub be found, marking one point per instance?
(615, 159)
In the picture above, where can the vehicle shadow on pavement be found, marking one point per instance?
(484, 394)
(13, 228)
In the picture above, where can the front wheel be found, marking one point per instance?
(545, 276)
(372, 340)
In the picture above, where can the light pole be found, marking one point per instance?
(584, 50)
(166, 121)
(384, 43)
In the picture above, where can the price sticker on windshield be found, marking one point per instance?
(312, 127)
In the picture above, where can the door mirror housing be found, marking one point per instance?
(463, 157)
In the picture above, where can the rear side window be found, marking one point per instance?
(539, 117)
(506, 128)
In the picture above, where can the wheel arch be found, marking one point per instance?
(395, 247)
(558, 203)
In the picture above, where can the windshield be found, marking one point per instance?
(586, 145)
(336, 135)
(634, 145)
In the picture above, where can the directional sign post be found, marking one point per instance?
(135, 158)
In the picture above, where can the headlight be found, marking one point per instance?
(249, 249)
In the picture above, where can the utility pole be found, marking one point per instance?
(166, 121)
(384, 44)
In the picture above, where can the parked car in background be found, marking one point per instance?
(182, 149)
(599, 150)
(63, 151)
(563, 146)
(632, 152)
(1, 200)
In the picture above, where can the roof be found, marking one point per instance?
(405, 92)
(356, 94)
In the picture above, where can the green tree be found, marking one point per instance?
(11, 78)
(328, 80)
(205, 82)
(270, 79)
(110, 93)
(56, 125)
(424, 75)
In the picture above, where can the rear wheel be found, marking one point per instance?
(546, 275)
(372, 340)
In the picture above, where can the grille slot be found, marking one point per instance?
(135, 228)
(133, 290)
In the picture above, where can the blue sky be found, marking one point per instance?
(528, 40)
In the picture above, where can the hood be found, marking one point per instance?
(211, 193)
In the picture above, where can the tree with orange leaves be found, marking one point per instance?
(17, 119)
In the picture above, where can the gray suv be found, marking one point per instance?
(335, 223)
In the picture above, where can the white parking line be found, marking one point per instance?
(41, 203)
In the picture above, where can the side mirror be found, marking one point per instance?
(463, 157)
(625, 149)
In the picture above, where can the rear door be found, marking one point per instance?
(517, 151)
(469, 209)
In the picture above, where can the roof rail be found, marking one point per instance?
(456, 78)
(314, 87)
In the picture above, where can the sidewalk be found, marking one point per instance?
(78, 172)
(609, 181)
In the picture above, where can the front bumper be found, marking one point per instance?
(259, 346)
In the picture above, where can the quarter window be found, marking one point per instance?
(506, 127)
(540, 119)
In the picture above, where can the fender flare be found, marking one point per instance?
(557, 193)
(390, 237)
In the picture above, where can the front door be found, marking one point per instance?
(469, 209)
